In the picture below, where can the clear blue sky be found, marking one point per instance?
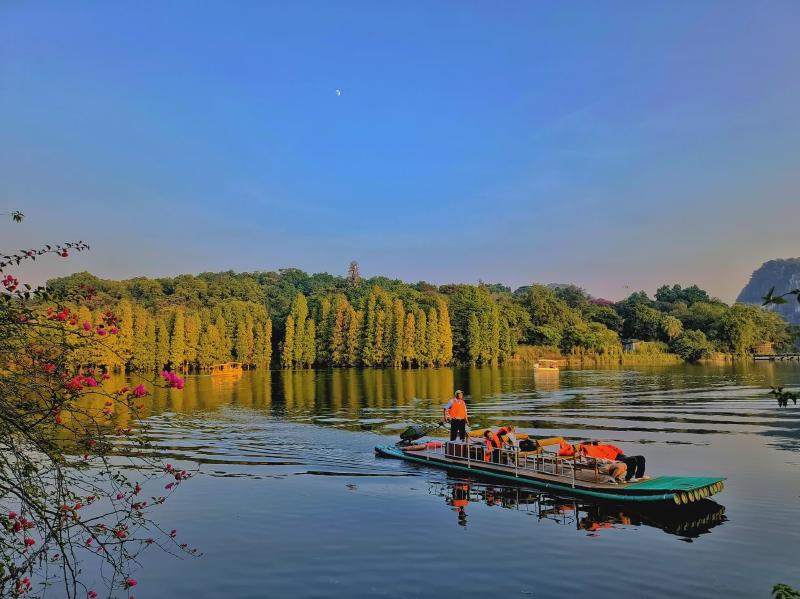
(608, 144)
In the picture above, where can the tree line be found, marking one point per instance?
(192, 322)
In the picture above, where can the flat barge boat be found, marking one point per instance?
(547, 470)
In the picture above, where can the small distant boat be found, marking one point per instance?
(227, 369)
(546, 366)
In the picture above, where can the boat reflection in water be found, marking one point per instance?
(687, 523)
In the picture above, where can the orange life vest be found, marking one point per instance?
(458, 411)
(604, 451)
(492, 443)
(565, 449)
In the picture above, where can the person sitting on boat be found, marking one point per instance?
(507, 437)
(493, 446)
(635, 464)
(456, 413)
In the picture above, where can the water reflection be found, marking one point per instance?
(687, 522)
(687, 402)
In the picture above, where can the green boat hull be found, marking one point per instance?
(673, 489)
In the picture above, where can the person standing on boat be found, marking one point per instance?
(456, 413)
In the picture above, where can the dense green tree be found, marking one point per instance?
(162, 344)
(338, 332)
(409, 340)
(605, 315)
(445, 342)
(289, 351)
(474, 342)
(572, 295)
(432, 338)
(688, 296)
(671, 327)
(642, 322)
(309, 344)
(355, 319)
(177, 339)
(192, 327)
(692, 346)
(421, 340)
(398, 334)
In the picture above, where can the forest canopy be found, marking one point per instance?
(293, 319)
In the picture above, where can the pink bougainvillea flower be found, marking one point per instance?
(130, 582)
(75, 383)
(91, 595)
(120, 495)
(113, 330)
(168, 486)
(139, 391)
(90, 382)
(87, 326)
(49, 368)
(12, 515)
(29, 542)
(101, 331)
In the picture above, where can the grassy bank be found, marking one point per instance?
(647, 354)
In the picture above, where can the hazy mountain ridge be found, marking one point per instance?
(783, 274)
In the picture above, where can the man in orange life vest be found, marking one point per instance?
(456, 413)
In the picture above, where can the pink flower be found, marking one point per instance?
(87, 326)
(90, 382)
(173, 533)
(114, 330)
(30, 542)
(130, 582)
(12, 515)
(75, 383)
(49, 368)
(101, 331)
(120, 495)
(168, 486)
(91, 595)
(139, 391)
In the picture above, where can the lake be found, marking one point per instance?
(291, 501)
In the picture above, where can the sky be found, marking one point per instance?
(615, 145)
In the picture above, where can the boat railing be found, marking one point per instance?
(522, 462)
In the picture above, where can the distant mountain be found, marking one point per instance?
(781, 274)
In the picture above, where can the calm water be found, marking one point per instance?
(291, 500)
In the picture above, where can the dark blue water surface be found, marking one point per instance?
(291, 501)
